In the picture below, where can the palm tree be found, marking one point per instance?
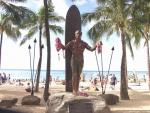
(145, 33)
(141, 14)
(114, 16)
(7, 27)
(18, 14)
(147, 38)
(46, 90)
(38, 25)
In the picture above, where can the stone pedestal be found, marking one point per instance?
(110, 99)
(68, 103)
(8, 102)
(30, 100)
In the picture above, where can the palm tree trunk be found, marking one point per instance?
(126, 74)
(40, 60)
(145, 34)
(148, 61)
(1, 40)
(46, 90)
(123, 88)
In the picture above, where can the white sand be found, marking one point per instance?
(139, 97)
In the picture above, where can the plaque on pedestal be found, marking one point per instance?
(85, 107)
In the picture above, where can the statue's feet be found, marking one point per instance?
(75, 93)
(80, 94)
(83, 94)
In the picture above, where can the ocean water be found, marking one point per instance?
(60, 74)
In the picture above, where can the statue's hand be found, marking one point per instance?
(58, 44)
(99, 46)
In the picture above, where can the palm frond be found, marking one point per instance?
(101, 2)
(53, 17)
(19, 13)
(32, 31)
(129, 45)
(39, 21)
(23, 41)
(110, 32)
(13, 33)
(105, 12)
(24, 13)
(10, 10)
(56, 29)
(99, 29)
(29, 22)
(30, 34)
(137, 39)
(145, 42)
(134, 28)
(4, 19)
(117, 30)
(50, 7)
(53, 28)
(7, 26)
(88, 17)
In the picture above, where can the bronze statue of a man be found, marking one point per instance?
(77, 46)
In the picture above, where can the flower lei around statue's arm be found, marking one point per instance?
(58, 46)
(99, 47)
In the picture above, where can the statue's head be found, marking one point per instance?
(78, 34)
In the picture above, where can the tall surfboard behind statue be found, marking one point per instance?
(73, 23)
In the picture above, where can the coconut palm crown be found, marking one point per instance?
(7, 28)
(18, 13)
(37, 24)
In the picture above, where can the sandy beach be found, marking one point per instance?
(138, 103)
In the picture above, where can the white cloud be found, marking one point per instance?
(92, 1)
(81, 2)
(60, 7)
(31, 4)
(36, 3)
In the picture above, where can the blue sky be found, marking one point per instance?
(16, 57)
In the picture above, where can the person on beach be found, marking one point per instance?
(50, 79)
(4, 78)
(144, 78)
(77, 46)
(113, 81)
(8, 79)
(1, 79)
(28, 88)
